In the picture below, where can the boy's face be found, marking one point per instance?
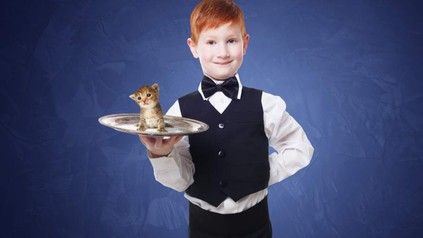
(220, 50)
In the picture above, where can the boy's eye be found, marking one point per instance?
(210, 42)
(231, 41)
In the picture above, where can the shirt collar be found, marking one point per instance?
(219, 82)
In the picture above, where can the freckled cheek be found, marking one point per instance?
(238, 52)
(239, 56)
(206, 56)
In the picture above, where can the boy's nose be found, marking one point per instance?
(223, 51)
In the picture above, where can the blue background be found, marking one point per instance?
(351, 72)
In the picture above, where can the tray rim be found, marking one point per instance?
(204, 126)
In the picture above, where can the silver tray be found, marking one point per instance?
(126, 122)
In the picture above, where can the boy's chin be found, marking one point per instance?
(221, 77)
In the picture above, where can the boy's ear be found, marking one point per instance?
(192, 47)
(246, 39)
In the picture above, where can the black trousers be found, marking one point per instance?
(252, 223)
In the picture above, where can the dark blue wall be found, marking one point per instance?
(351, 73)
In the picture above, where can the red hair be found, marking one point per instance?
(210, 14)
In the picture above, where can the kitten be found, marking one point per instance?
(151, 115)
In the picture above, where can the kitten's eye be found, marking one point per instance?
(148, 94)
(139, 98)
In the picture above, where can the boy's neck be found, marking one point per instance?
(219, 80)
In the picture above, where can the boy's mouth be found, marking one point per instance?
(223, 63)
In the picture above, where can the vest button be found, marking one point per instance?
(223, 183)
(221, 125)
(221, 154)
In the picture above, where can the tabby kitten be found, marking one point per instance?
(151, 115)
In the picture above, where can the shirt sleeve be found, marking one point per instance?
(293, 150)
(177, 169)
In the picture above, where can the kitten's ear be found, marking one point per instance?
(155, 87)
(132, 96)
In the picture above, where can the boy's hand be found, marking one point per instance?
(157, 146)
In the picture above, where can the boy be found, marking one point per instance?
(226, 170)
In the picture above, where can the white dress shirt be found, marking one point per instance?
(293, 151)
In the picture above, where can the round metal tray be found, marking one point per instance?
(126, 122)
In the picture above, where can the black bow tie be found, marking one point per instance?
(229, 87)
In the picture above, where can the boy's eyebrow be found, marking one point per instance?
(234, 36)
(227, 37)
(209, 38)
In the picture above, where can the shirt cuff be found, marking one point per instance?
(165, 163)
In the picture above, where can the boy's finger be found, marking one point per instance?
(177, 138)
(172, 140)
(147, 140)
(158, 142)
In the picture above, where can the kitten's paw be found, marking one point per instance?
(160, 129)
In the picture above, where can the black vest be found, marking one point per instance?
(231, 158)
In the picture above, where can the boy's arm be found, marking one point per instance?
(287, 137)
(176, 169)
